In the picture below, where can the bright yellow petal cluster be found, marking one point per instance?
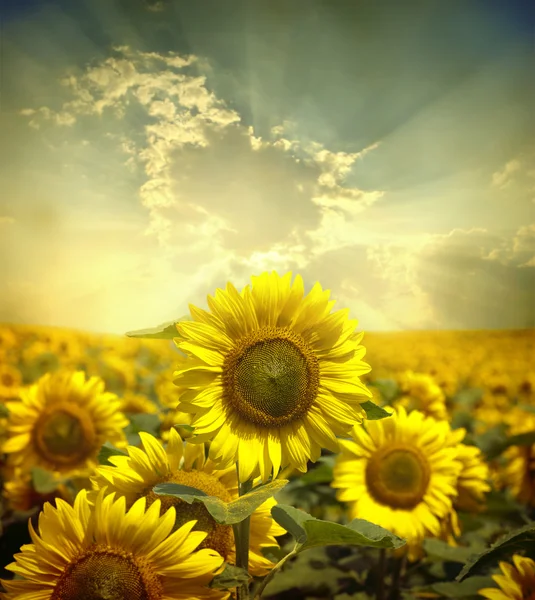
(272, 375)
(107, 552)
(400, 472)
(61, 422)
(419, 391)
(135, 475)
(516, 583)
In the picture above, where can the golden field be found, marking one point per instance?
(481, 382)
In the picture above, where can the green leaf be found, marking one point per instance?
(165, 331)
(519, 539)
(108, 450)
(231, 577)
(322, 473)
(310, 532)
(436, 548)
(43, 481)
(468, 397)
(492, 439)
(144, 422)
(373, 411)
(222, 512)
(4, 413)
(452, 589)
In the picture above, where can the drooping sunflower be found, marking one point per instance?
(473, 481)
(135, 475)
(401, 473)
(272, 375)
(518, 473)
(516, 583)
(61, 422)
(87, 553)
(472, 485)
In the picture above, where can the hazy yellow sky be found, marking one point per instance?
(152, 151)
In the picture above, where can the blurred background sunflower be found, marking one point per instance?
(61, 422)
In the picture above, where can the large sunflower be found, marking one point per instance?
(272, 374)
(135, 475)
(105, 552)
(516, 583)
(401, 473)
(61, 422)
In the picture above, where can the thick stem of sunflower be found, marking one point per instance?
(241, 537)
(397, 576)
(381, 572)
(272, 573)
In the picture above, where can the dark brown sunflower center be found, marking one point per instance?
(220, 537)
(65, 435)
(271, 377)
(8, 380)
(106, 574)
(398, 476)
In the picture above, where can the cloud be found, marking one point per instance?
(518, 251)
(465, 287)
(502, 178)
(516, 179)
(221, 202)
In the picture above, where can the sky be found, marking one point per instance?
(151, 151)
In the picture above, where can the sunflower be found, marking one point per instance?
(137, 404)
(272, 375)
(173, 419)
(516, 583)
(472, 485)
(420, 391)
(135, 476)
(107, 552)
(401, 473)
(10, 382)
(20, 494)
(518, 474)
(61, 422)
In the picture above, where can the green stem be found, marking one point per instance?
(272, 573)
(241, 538)
(380, 592)
(399, 572)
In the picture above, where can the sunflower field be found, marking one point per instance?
(266, 448)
